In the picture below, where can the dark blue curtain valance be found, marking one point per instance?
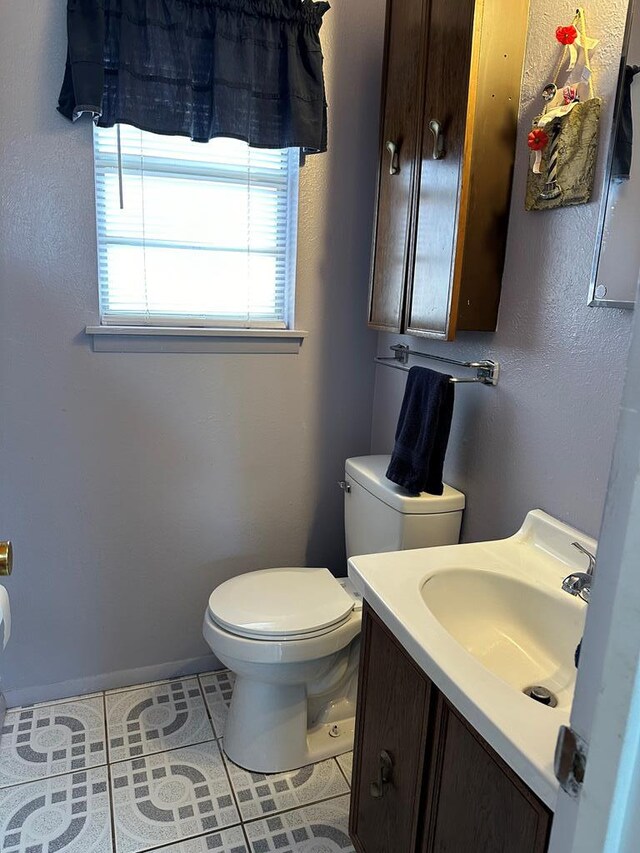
(247, 69)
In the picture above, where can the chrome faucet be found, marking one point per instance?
(579, 583)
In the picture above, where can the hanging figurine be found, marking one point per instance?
(564, 137)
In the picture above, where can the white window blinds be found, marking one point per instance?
(194, 234)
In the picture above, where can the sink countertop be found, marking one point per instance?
(520, 730)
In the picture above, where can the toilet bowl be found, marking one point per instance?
(292, 635)
(294, 697)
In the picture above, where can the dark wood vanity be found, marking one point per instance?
(450, 95)
(423, 779)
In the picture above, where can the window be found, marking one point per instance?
(193, 234)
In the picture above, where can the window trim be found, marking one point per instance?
(190, 339)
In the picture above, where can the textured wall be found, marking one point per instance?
(544, 436)
(133, 483)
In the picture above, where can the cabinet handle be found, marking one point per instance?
(438, 139)
(394, 165)
(385, 771)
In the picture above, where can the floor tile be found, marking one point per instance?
(259, 795)
(346, 764)
(51, 739)
(170, 796)
(321, 828)
(68, 813)
(217, 688)
(153, 719)
(227, 841)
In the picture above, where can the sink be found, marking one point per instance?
(526, 635)
(485, 621)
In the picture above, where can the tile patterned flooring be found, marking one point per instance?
(142, 769)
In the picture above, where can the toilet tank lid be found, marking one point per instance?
(369, 472)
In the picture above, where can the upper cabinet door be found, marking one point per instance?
(401, 96)
(434, 287)
(450, 108)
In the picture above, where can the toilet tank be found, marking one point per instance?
(380, 516)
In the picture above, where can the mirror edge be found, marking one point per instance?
(593, 301)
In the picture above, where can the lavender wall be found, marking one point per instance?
(132, 484)
(544, 436)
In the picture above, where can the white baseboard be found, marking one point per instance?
(109, 681)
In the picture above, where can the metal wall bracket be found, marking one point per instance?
(570, 761)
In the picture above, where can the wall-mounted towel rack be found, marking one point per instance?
(487, 372)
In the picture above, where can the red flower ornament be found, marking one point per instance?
(567, 35)
(537, 139)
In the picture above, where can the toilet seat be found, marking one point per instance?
(281, 604)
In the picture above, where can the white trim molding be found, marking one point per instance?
(194, 339)
(79, 687)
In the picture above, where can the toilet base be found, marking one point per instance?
(266, 730)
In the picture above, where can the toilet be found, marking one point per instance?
(292, 635)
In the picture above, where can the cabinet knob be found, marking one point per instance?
(394, 162)
(438, 139)
(385, 771)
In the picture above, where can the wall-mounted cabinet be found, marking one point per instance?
(424, 780)
(451, 90)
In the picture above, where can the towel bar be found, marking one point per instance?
(487, 372)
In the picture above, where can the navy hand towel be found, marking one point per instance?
(422, 432)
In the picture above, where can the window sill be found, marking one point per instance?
(187, 339)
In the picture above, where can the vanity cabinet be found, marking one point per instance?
(424, 780)
(450, 95)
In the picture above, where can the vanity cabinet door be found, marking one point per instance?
(400, 120)
(474, 801)
(391, 734)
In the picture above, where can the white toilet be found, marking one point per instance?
(292, 635)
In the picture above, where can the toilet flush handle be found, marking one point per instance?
(345, 485)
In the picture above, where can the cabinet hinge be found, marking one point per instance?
(570, 761)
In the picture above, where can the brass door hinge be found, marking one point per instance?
(6, 558)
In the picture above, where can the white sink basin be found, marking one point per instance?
(522, 633)
(485, 621)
